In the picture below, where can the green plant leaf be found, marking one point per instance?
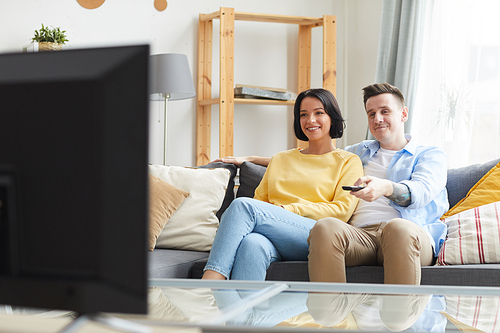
(54, 35)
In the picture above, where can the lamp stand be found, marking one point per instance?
(166, 96)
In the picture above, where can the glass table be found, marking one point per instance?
(186, 305)
(233, 306)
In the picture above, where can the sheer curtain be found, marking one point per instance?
(401, 36)
(458, 93)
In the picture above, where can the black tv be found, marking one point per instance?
(73, 179)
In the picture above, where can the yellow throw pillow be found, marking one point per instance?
(485, 191)
(164, 200)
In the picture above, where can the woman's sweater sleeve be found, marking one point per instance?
(261, 192)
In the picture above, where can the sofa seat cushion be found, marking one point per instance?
(173, 264)
(456, 275)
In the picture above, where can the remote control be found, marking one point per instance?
(353, 188)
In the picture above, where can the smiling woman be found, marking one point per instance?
(315, 124)
(298, 188)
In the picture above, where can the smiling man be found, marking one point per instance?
(396, 223)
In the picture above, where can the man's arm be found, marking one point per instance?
(238, 161)
(376, 187)
(400, 194)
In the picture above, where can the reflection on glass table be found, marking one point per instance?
(289, 308)
(232, 306)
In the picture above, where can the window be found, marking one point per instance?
(458, 96)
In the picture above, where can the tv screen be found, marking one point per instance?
(73, 179)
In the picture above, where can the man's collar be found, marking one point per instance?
(411, 146)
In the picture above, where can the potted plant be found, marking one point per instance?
(49, 39)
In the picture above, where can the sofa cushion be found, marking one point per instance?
(461, 180)
(456, 275)
(250, 176)
(164, 200)
(473, 237)
(229, 197)
(194, 224)
(485, 191)
(173, 264)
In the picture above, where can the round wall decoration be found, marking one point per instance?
(161, 5)
(91, 4)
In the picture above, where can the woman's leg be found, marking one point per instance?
(285, 230)
(253, 258)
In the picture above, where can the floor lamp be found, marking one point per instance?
(170, 80)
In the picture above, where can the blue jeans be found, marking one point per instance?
(252, 234)
(265, 314)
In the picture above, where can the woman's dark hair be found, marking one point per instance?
(331, 108)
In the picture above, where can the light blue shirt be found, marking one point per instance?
(423, 169)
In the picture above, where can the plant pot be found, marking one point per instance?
(49, 46)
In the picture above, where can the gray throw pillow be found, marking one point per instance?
(250, 176)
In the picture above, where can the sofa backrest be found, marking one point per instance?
(459, 182)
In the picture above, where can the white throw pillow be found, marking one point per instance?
(194, 224)
(473, 237)
(198, 304)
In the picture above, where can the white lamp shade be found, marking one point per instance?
(170, 77)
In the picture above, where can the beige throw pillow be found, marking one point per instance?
(194, 224)
(164, 200)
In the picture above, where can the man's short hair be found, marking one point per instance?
(382, 88)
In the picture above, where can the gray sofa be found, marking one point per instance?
(169, 263)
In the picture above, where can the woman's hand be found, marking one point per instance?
(238, 161)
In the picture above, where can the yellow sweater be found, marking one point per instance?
(311, 185)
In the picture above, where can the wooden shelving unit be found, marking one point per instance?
(226, 99)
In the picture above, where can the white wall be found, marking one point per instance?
(265, 54)
(363, 28)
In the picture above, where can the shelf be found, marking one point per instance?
(301, 20)
(214, 101)
(226, 99)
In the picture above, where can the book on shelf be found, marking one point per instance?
(246, 91)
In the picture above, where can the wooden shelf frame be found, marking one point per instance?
(226, 99)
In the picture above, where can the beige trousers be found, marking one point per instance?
(401, 246)
(397, 312)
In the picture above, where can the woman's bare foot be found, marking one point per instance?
(213, 275)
